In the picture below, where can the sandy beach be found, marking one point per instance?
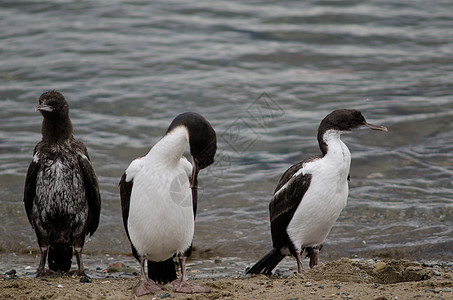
(341, 279)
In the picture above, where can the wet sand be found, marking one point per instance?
(342, 279)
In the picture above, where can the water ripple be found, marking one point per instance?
(128, 67)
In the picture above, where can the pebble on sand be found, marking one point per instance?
(380, 265)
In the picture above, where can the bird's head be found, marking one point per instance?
(345, 120)
(52, 104)
(202, 137)
(341, 121)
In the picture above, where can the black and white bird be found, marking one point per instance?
(158, 199)
(311, 194)
(61, 193)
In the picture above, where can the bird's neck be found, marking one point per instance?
(172, 146)
(57, 129)
(332, 146)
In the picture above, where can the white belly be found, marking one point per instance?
(317, 213)
(326, 196)
(161, 221)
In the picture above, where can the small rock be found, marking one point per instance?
(436, 273)
(380, 265)
(253, 288)
(85, 279)
(291, 284)
(11, 272)
(337, 286)
(308, 283)
(115, 268)
(437, 290)
(320, 287)
(164, 295)
(376, 285)
(217, 260)
(429, 265)
(447, 290)
(429, 290)
(60, 286)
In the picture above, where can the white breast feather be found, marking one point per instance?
(159, 224)
(161, 221)
(325, 198)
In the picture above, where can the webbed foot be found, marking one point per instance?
(184, 286)
(78, 272)
(44, 273)
(146, 286)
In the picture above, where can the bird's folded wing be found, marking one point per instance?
(91, 193)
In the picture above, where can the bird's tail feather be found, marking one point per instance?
(162, 271)
(267, 263)
(60, 257)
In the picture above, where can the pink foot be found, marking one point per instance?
(146, 286)
(184, 286)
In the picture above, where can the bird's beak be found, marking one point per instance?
(194, 187)
(194, 177)
(376, 127)
(44, 108)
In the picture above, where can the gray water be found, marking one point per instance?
(264, 73)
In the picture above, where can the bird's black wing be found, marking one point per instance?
(285, 202)
(91, 185)
(125, 194)
(30, 188)
(193, 181)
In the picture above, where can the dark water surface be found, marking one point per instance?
(264, 73)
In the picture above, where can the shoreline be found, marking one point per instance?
(340, 279)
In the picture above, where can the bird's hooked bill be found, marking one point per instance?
(376, 127)
(43, 108)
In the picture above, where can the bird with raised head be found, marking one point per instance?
(61, 193)
(311, 195)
